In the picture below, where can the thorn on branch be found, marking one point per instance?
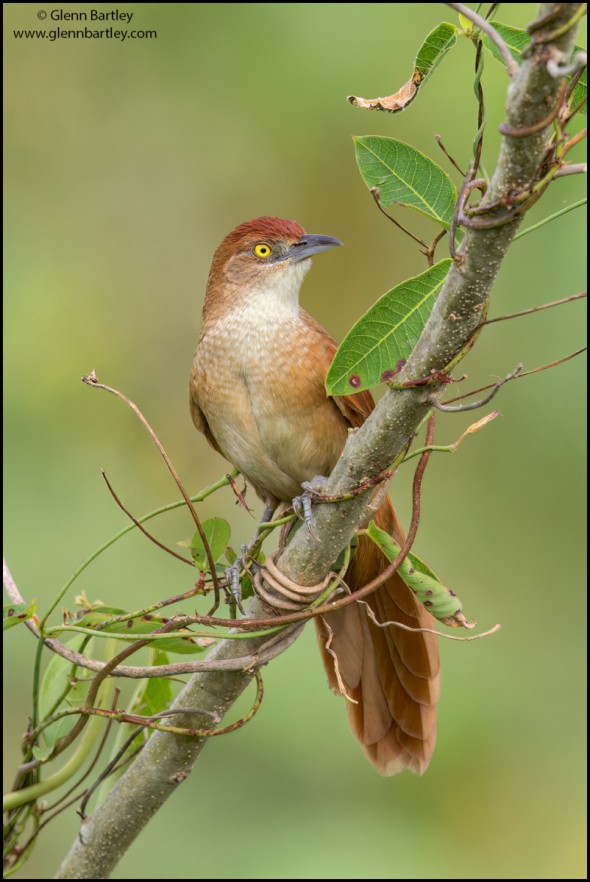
(449, 408)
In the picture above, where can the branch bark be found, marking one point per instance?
(167, 759)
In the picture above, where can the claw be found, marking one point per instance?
(232, 574)
(302, 504)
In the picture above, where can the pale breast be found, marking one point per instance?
(260, 386)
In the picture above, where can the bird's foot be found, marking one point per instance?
(232, 574)
(302, 504)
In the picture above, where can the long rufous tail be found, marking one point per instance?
(393, 675)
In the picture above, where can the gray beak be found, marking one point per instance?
(311, 244)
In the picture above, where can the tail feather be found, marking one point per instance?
(393, 675)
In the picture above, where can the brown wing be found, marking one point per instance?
(392, 675)
(197, 414)
(355, 407)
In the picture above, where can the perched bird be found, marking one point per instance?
(257, 394)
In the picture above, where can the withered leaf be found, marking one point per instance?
(434, 48)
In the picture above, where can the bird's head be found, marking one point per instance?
(266, 256)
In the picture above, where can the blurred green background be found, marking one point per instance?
(126, 165)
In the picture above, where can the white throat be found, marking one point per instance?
(278, 296)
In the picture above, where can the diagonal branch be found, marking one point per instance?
(457, 313)
(167, 759)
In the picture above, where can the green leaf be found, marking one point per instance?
(515, 38)
(434, 48)
(580, 90)
(402, 174)
(217, 531)
(466, 24)
(439, 600)
(157, 692)
(517, 41)
(17, 612)
(377, 347)
(57, 692)
(230, 555)
(41, 753)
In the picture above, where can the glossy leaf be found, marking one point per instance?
(517, 41)
(439, 600)
(434, 48)
(401, 174)
(377, 347)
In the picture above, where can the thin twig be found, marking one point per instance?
(576, 109)
(148, 610)
(140, 526)
(377, 198)
(446, 408)
(503, 318)
(248, 662)
(452, 448)
(550, 218)
(573, 141)
(438, 140)
(199, 497)
(136, 672)
(429, 252)
(580, 168)
(519, 376)
(92, 380)
(491, 32)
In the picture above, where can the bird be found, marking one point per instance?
(257, 394)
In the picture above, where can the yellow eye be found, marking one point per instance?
(262, 249)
